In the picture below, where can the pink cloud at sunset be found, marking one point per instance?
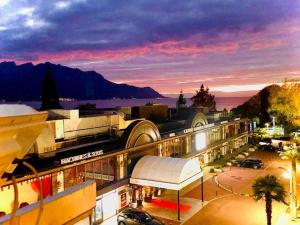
(230, 46)
(266, 44)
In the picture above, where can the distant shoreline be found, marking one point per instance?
(221, 102)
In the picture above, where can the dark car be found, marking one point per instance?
(268, 147)
(137, 217)
(250, 163)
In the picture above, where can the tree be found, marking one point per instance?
(204, 99)
(181, 102)
(257, 106)
(49, 97)
(269, 189)
(292, 153)
(285, 103)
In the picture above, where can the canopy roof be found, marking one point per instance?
(18, 132)
(165, 172)
(15, 110)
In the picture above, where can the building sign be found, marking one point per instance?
(123, 200)
(188, 130)
(81, 157)
(198, 128)
(98, 176)
(209, 125)
(172, 135)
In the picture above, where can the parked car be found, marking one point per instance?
(137, 217)
(250, 163)
(268, 147)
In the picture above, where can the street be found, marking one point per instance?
(227, 195)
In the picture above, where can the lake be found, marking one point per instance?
(221, 102)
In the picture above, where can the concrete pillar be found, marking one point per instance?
(187, 144)
(121, 167)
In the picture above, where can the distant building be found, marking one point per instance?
(153, 112)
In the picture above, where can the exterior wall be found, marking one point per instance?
(45, 142)
(74, 127)
(89, 126)
(27, 194)
(61, 130)
(56, 114)
(154, 112)
(115, 169)
(62, 208)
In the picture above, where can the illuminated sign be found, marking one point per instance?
(81, 157)
(98, 176)
(197, 128)
(172, 135)
(209, 125)
(188, 130)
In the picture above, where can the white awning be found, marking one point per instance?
(165, 172)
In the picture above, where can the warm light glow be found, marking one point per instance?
(26, 194)
(161, 203)
(109, 204)
(234, 88)
(200, 139)
(287, 174)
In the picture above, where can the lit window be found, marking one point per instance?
(200, 139)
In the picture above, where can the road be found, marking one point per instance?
(225, 208)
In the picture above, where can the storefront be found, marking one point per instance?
(108, 205)
(177, 174)
(28, 193)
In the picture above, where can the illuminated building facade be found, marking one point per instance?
(106, 147)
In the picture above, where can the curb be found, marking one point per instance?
(227, 189)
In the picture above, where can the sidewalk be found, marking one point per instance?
(285, 219)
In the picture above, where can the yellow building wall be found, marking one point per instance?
(90, 125)
(61, 208)
(26, 194)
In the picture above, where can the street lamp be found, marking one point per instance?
(293, 199)
(288, 175)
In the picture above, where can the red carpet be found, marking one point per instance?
(170, 205)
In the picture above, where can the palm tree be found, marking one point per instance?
(269, 189)
(292, 153)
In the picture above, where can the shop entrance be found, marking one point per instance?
(155, 173)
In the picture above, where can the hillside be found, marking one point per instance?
(23, 82)
(257, 106)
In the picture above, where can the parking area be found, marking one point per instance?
(227, 197)
(233, 206)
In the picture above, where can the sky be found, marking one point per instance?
(235, 47)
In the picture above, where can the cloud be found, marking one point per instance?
(158, 43)
(62, 4)
(266, 44)
(116, 25)
(4, 2)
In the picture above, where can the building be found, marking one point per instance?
(106, 147)
(20, 126)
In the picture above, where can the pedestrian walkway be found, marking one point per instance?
(166, 208)
(285, 219)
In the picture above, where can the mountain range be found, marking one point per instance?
(24, 82)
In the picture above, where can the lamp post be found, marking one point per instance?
(292, 153)
(293, 199)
